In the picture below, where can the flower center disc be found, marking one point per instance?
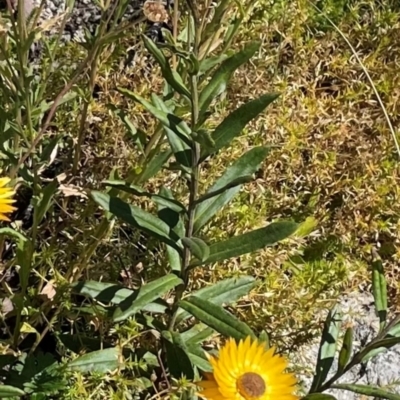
(251, 385)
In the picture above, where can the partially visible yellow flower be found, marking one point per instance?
(6, 194)
(248, 371)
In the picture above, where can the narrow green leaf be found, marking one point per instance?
(12, 233)
(138, 191)
(197, 247)
(246, 165)
(346, 350)
(224, 292)
(385, 343)
(234, 123)
(132, 132)
(327, 348)
(102, 291)
(373, 353)
(230, 185)
(210, 62)
(178, 139)
(197, 334)
(264, 338)
(249, 242)
(306, 227)
(138, 218)
(171, 76)
(222, 75)
(394, 331)
(177, 358)
(319, 396)
(24, 259)
(45, 201)
(175, 222)
(367, 390)
(379, 290)
(216, 317)
(114, 294)
(78, 342)
(154, 165)
(100, 361)
(147, 294)
(7, 392)
(198, 358)
(50, 148)
(167, 119)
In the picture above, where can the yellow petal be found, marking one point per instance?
(7, 194)
(4, 181)
(4, 218)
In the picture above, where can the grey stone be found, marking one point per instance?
(383, 370)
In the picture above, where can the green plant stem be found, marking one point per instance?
(194, 182)
(194, 178)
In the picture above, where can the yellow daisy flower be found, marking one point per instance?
(248, 371)
(5, 199)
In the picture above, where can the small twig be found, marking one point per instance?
(163, 371)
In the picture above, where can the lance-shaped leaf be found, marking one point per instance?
(234, 123)
(216, 317)
(210, 62)
(175, 222)
(178, 360)
(379, 289)
(44, 202)
(230, 185)
(138, 218)
(222, 75)
(104, 292)
(154, 165)
(378, 346)
(224, 292)
(327, 348)
(178, 139)
(367, 390)
(100, 361)
(249, 242)
(136, 136)
(171, 76)
(9, 392)
(192, 350)
(147, 294)
(246, 165)
(197, 334)
(198, 358)
(197, 247)
(24, 258)
(167, 119)
(346, 350)
(138, 191)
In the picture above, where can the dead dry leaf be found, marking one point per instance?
(72, 191)
(49, 290)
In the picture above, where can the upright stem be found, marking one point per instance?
(194, 177)
(194, 182)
